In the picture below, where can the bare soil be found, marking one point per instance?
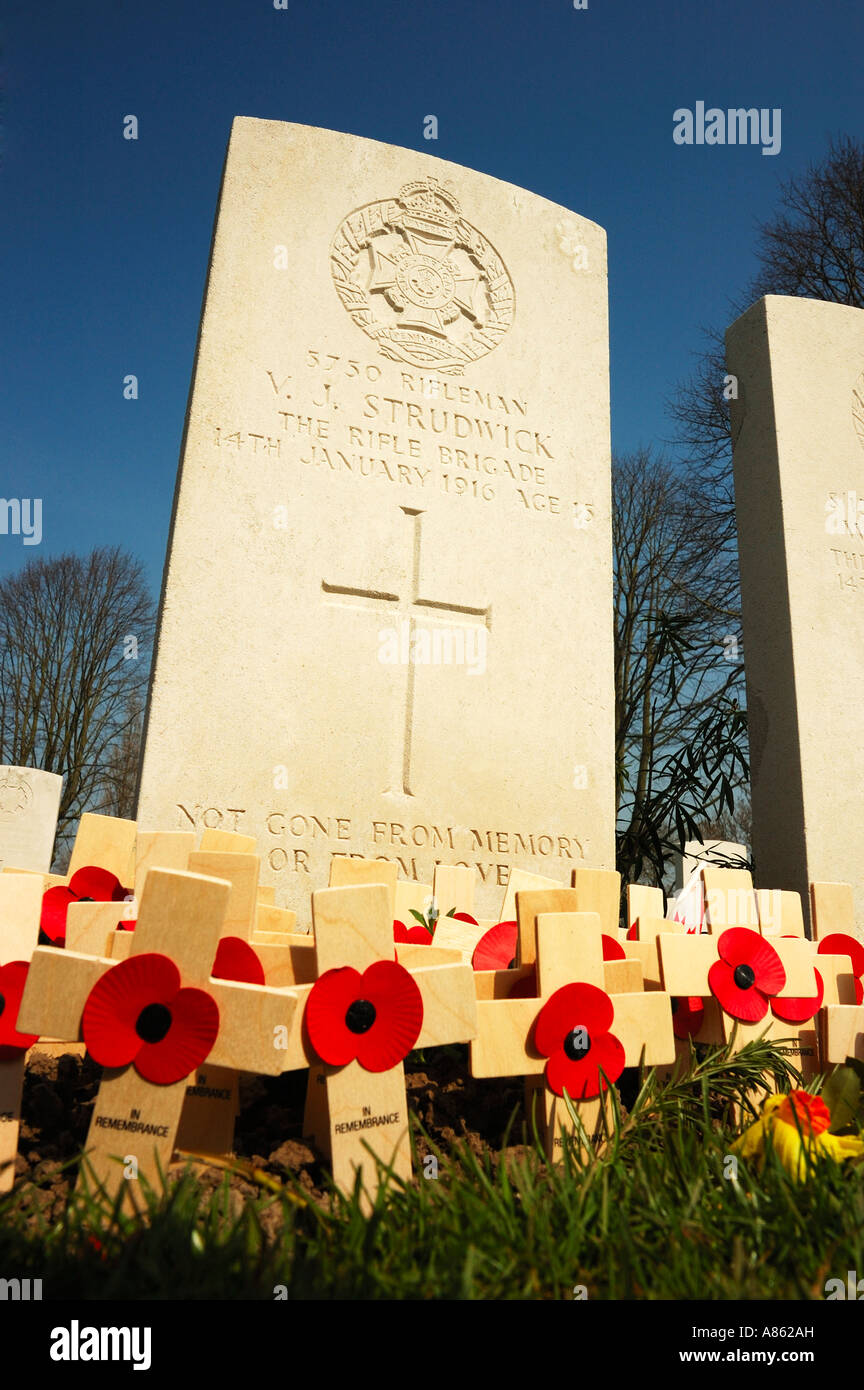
(269, 1139)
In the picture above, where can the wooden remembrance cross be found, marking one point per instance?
(833, 917)
(20, 905)
(392, 605)
(366, 1106)
(686, 962)
(242, 1026)
(210, 1109)
(569, 956)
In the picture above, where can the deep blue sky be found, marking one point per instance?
(104, 242)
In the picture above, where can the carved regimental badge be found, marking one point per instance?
(420, 280)
(15, 795)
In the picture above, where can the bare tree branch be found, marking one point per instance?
(76, 637)
(680, 736)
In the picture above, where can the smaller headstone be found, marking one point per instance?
(29, 803)
(723, 854)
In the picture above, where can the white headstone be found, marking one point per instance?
(724, 854)
(387, 620)
(798, 427)
(29, 803)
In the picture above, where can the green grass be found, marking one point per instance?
(652, 1217)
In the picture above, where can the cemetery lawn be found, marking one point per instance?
(657, 1215)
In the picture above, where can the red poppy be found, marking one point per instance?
(799, 1009)
(496, 949)
(87, 885)
(418, 935)
(748, 972)
(841, 944)
(688, 1011)
(138, 1013)
(464, 917)
(572, 1030)
(808, 1113)
(235, 960)
(13, 978)
(612, 949)
(374, 1018)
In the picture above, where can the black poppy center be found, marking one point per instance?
(744, 976)
(2, 1003)
(577, 1044)
(86, 900)
(360, 1016)
(153, 1023)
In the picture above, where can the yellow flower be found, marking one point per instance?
(796, 1125)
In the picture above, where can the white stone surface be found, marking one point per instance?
(397, 446)
(29, 802)
(718, 852)
(798, 428)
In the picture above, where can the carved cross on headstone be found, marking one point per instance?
(363, 1012)
(185, 1018)
(552, 1037)
(409, 608)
